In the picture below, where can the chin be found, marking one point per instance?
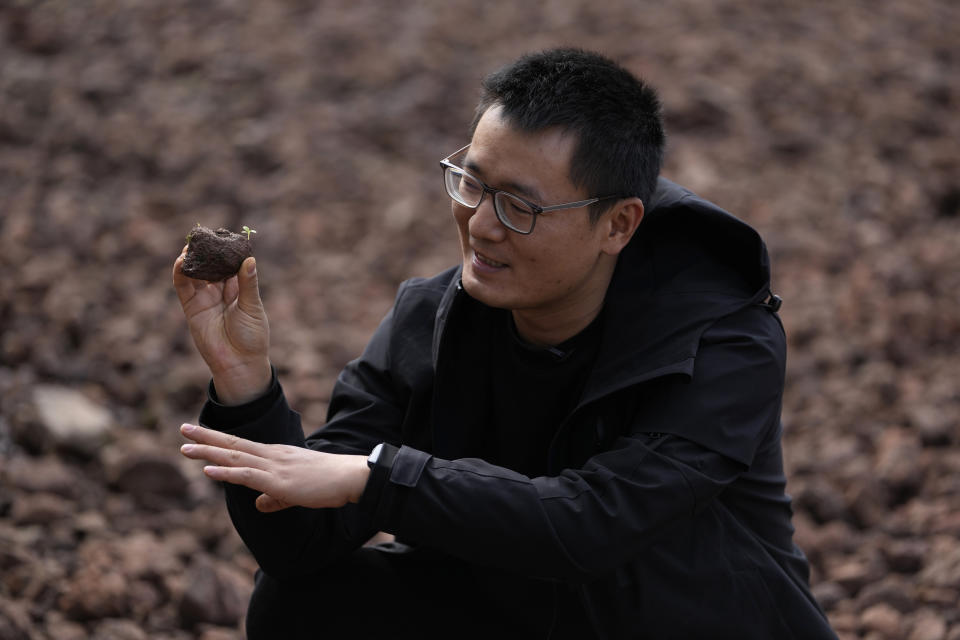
(484, 292)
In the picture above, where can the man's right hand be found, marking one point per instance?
(230, 329)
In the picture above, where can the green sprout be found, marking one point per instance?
(247, 230)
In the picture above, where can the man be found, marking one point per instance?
(573, 434)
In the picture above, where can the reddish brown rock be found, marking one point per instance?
(883, 620)
(893, 591)
(943, 570)
(927, 624)
(213, 593)
(854, 573)
(153, 477)
(15, 623)
(40, 509)
(215, 255)
(898, 451)
(93, 593)
(57, 626)
(906, 556)
(829, 594)
(71, 421)
(119, 630)
(46, 474)
(845, 622)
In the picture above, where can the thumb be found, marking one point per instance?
(268, 504)
(248, 298)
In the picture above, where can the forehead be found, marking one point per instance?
(540, 160)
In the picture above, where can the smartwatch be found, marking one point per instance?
(374, 456)
(380, 463)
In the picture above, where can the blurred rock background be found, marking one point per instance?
(831, 127)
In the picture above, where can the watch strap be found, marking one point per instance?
(382, 456)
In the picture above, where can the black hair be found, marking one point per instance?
(615, 116)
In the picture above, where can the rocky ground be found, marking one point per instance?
(831, 127)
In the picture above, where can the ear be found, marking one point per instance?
(620, 223)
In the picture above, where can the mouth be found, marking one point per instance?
(488, 261)
(485, 263)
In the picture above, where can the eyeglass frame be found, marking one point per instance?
(536, 209)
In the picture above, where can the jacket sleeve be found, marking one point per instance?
(298, 541)
(587, 521)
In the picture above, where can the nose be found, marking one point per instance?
(483, 224)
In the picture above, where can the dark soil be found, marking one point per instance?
(830, 127)
(215, 255)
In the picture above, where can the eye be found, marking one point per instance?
(515, 206)
(469, 185)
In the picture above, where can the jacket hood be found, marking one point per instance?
(689, 264)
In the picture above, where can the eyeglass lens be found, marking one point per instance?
(511, 211)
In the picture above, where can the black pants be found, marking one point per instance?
(392, 591)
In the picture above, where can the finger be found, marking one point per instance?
(223, 457)
(268, 504)
(185, 287)
(252, 478)
(177, 274)
(230, 290)
(201, 435)
(249, 294)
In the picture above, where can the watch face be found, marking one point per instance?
(374, 455)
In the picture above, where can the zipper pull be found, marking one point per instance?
(773, 302)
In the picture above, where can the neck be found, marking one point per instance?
(551, 325)
(547, 332)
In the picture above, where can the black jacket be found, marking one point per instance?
(665, 501)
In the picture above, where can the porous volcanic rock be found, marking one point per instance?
(215, 255)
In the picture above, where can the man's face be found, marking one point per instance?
(559, 271)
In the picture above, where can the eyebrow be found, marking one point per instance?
(515, 188)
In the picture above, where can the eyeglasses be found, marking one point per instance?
(515, 213)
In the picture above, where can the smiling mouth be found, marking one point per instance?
(482, 259)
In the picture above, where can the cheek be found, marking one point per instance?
(462, 220)
(461, 216)
(562, 259)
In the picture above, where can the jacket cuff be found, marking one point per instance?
(266, 419)
(389, 483)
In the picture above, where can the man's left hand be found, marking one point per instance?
(286, 475)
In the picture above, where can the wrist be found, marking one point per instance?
(243, 383)
(359, 474)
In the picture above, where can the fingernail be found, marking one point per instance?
(187, 428)
(187, 448)
(252, 269)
